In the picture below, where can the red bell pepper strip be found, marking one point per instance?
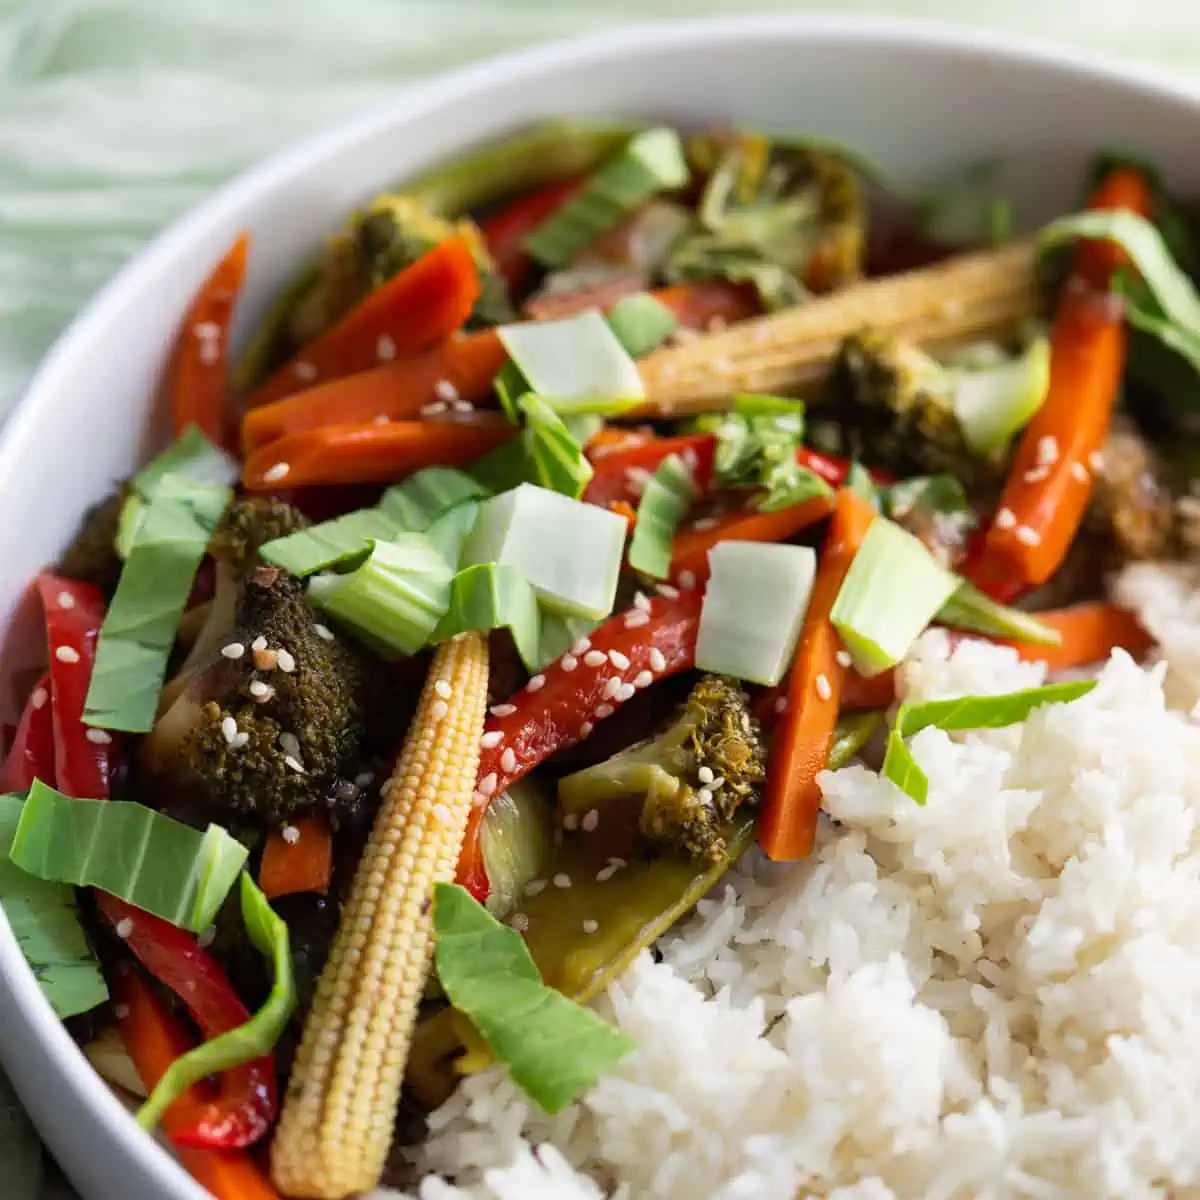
(199, 387)
(504, 232)
(83, 757)
(416, 308)
(559, 707)
(622, 474)
(31, 755)
(154, 1039)
(244, 1102)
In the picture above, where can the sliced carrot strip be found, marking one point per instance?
(417, 307)
(1090, 633)
(372, 453)
(303, 864)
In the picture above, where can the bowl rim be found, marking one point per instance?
(79, 338)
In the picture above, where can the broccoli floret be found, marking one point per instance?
(891, 405)
(92, 557)
(269, 732)
(692, 777)
(250, 524)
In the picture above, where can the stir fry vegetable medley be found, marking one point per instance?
(561, 523)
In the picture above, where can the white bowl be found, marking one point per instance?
(918, 98)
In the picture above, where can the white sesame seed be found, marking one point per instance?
(657, 662)
(595, 658)
(717, 783)
(295, 764)
(1047, 450)
(508, 761)
(665, 589)
(491, 739)
(605, 874)
(65, 600)
(824, 689)
(570, 821)
(643, 679)
(241, 740)
(503, 710)
(1028, 536)
(206, 329)
(1096, 461)
(125, 927)
(590, 926)
(591, 819)
(443, 689)
(581, 647)
(1079, 472)
(637, 618)
(365, 779)
(1037, 475)
(534, 886)
(290, 834)
(704, 795)
(616, 862)
(843, 659)
(445, 390)
(618, 660)
(780, 705)
(612, 685)
(702, 523)
(206, 937)
(233, 650)
(440, 710)
(536, 683)
(687, 579)
(99, 737)
(304, 370)
(276, 473)
(290, 743)
(259, 690)
(287, 661)
(689, 459)
(434, 409)
(562, 881)
(209, 352)
(385, 348)
(568, 662)
(626, 692)
(488, 784)
(229, 729)
(67, 654)
(323, 632)
(39, 697)
(705, 774)
(519, 921)
(1005, 519)
(259, 643)
(381, 419)
(642, 601)
(602, 711)
(585, 730)
(442, 814)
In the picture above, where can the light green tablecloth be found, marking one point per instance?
(117, 115)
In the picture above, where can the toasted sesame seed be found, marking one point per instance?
(99, 737)
(642, 601)
(702, 523)
(241, 740)
(1028, 536)
(595, 658)
(295, 764)
(705, 774)
(276, 473)
(618, 660)
(591, 819)
(585, 730)
(233, 650)
(665, 589)
(687, 579)
(443, 689)
(843, 659)
(229, 729)
(590, 926)
(657, 662)
(445, 390)
(612, 685)
(643, 679)
(385, 348)
(1079, 472)
(536, 683)
(503, 710)
(568, 662)
(488, 784)
(603, 710)
(1005, 519)
(704, 795)
(508, 761)
(434, 409)
(286, 660)
(824, 689)
(125, 927)
(626, 692)
(39, 697)
(491, 739)
(582, 646)
(562, 881)
(304, 370)
(637, 618)
(439, 711)
(67, 654)
(323, 632)
(290, 834)
(519, 921)
(534, 886)
(266, 660)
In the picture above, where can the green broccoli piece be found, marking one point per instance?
(267, 733)
(92, 556)
(692, 777)
(250, 524)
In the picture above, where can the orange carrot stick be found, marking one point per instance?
(419, 306)
(154, 1039)
(1051, 474)
(461, 368)
(792, 800)
(372, 453)
(304, 864)
(690, 551)
(1090, 633)
(199, 377)
(1096, 262)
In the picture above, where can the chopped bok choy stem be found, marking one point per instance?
(994, 403)
(969, 608)
(428, 495)
(754, 609)
(641, 323)
(894, 588)
(668, 495)
(494, 596)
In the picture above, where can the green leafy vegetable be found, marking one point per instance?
(46, 924)
(553, 1048)
(331, 543)
(668, 495)
(247, 1042)
(494, 596)
(969, 608)
(641, 323)
(395, 599)
(449, 533)
(139, 629)
(964, 712)
(423, 498)
(130, 851)
(555, 459)
(994, 403)
(651, 162)
(191, 456)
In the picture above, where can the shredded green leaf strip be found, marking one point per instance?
(139, 629)
(191, 456)
(495, 596)
(336, 543)
(965, 712)
(553, 1048)
(130, 851)
(641, 323)
(969, 608)
(247, 1042)
(46, 924)
(428, 495)
(669, 493)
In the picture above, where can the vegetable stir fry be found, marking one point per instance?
(560, 524)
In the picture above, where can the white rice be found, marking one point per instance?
(993, 996)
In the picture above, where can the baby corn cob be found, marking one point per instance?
(336, 1127)
(971, 296)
